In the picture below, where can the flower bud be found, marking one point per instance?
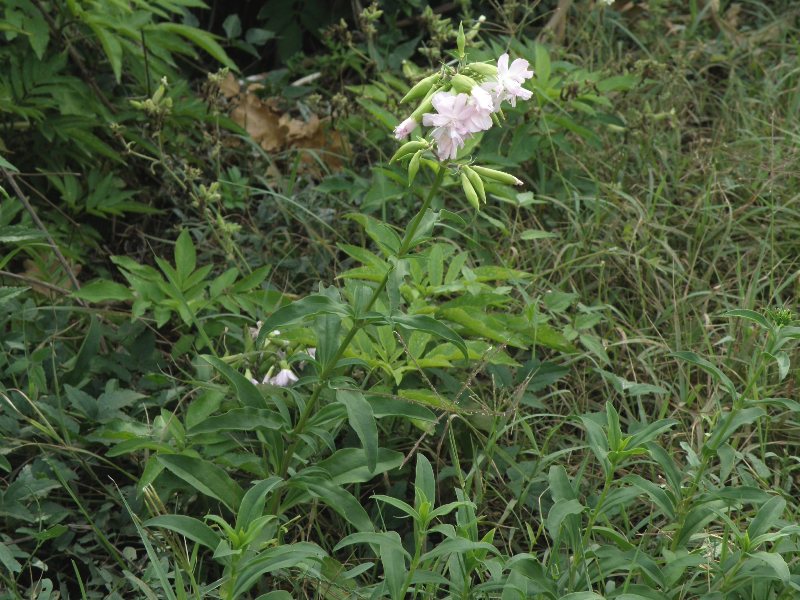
(426, 105)
(500, 176)
(460, 40)
(484, 69)
(476, 182)
(462, 83)
(407, 149)
(469, 191)
(413, 166)
(420, 89)
(405, 128)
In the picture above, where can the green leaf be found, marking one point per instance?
(542, 65)
(775, 561)
(730, 423)
(111, 47)
(201, 39)
(232, 26)
(246, 392)
(560, 511)
(749, 315)
(359, 414)
(456, 546)
(425, 480)
(537, 234)
(767, 517)
(103, 290)
(281, 557)
(397, 407)
(7, 559)
(189, 527)
(185, 255)
(709, 368)
(4, 164)
(348, 465)
(205, 477)
(254, 500)
(89, 349)
(582, 596)
(239, 419)
(342, 501)
(429, 325)
(313, 305)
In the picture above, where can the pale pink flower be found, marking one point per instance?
(452, 122)
(507, 84)
(405, 128)
(284, 378)
(481, 117)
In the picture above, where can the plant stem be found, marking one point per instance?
(358, 324)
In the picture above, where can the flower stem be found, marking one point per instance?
(358, 324)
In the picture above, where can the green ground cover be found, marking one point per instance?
(242, 357)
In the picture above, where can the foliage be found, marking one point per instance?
(584, 389)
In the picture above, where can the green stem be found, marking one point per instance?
(358, 324)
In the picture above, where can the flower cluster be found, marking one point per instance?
(466, 106)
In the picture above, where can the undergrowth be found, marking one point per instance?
(245, 355)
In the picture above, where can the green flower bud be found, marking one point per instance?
(469, 192)
(476, 182)
(426, 105)
(420, 89)
(462, 83)
(413, 166)
(460, 40)
(500, 176)
(407, 149)
(484, 69)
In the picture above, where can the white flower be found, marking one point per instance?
(312, 352)
(507, 84)
(607, 2)
(457, 116)
(284, 378)
(405, 128)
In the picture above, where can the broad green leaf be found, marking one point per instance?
(7, 559)
(349, 465)
(200, 38)
(254, 500)
(239, 419)
(246, 392)
(188, 527)
(775, 561)
(185, 255)
(432, 326)
(361, 419)
(279, 557)
(536, 234)
(730, 423)
(397, 407)
(205, 477)
(316, 304)
(457, 546)
(103, 290)
(749, 315)
(561, 510)
(341, 501)
(542, 69)
(582, 596)
(425, 480)
(767, 517)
